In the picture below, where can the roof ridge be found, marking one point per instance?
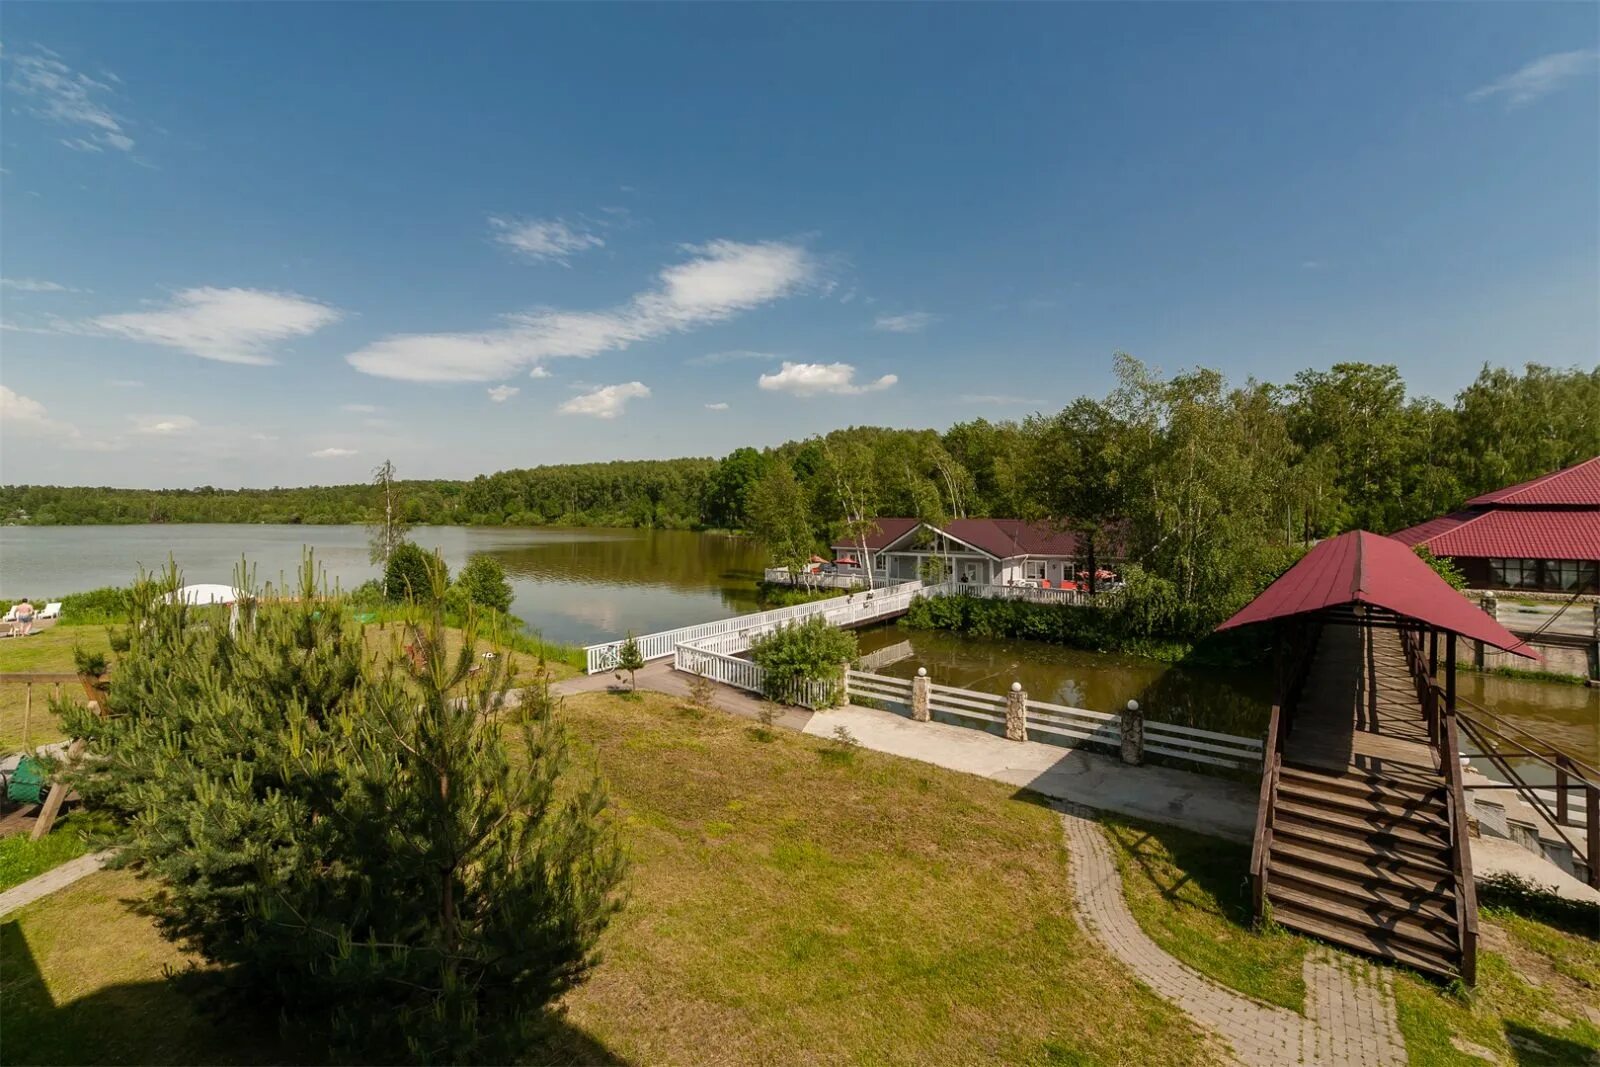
(1358, 581)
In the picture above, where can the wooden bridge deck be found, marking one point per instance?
(1359, 712)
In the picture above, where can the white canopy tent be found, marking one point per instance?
(206, 593)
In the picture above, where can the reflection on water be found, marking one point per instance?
(576, 586)
(1237, 702)
(1231, 701)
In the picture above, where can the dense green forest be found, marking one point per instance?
(1331, 450)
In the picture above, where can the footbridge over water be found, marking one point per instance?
(729, 636)
(1362, 828)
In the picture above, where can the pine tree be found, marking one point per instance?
(630, 659)
(369, 846)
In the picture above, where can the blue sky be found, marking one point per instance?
(257, 245)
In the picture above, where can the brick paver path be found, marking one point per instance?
(1349, 1019)
(50, 881)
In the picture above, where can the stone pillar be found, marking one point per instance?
(1597, 621)
(1133, 734)
(1490, 606)
(1016, 713)
(921, 686)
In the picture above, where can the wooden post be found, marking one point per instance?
(1433, 652)
(1449, 702)
(1592, 827)
(1561, 789)
(27, 715)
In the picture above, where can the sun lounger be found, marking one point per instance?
(51, 611)
(10, 615)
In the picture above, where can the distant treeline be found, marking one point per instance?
(1350, 450)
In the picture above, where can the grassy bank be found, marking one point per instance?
(788, 902)
(50, 652)
(1533, 1004)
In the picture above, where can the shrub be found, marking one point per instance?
(808, 651)
(1444, 568)
(483, 581)
(354, 841)
(630, 659)
(413, 574)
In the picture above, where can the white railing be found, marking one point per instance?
(781, 576)
(851, 610)
(878, 688)
(751, 677)
(1058, 724)
(1202, 746)
(1032, 594)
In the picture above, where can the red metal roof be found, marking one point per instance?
(1515, 533)
(1364, 568)
(1578, 485)
(888, 531)
(1005, 538)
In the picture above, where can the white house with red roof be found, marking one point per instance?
(981, 551)
(1538, 536)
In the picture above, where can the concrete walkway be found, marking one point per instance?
(1349, 1021)
(19, 896)
(1197, 802)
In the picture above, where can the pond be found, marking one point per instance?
(576, 586)
(1230, 701)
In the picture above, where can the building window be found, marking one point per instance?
(1569, 575)
(1033, 569)
(1514, 573)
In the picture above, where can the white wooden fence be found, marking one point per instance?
(751, 677)
(781, 576)
(852, 610)
(1032, 594)
(1058, 724)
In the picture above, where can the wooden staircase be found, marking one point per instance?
(1360, 840)
(1365, 862)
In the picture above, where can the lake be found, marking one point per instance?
(583, 586)
(575, 586)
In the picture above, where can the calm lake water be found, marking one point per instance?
(574, 586)
(1232, 701)
(583, 586)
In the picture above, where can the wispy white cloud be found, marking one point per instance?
(57, 93)
(332, 453)
(720, 405)
(539, 372)
(25, 416)
(162, 425)
(501, 393)
(814, 379)
(552, 240)
(34, 285)
(997, 399)
(606, 402)
(227, 325)
(712, 359)
(906, 322)
(1539, 78)
(718, 281)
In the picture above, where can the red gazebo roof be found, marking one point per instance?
(1365, 568)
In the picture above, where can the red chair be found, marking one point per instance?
(1044, 583)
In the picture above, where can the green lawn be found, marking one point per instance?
(1537, 1000)
(788, 902)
